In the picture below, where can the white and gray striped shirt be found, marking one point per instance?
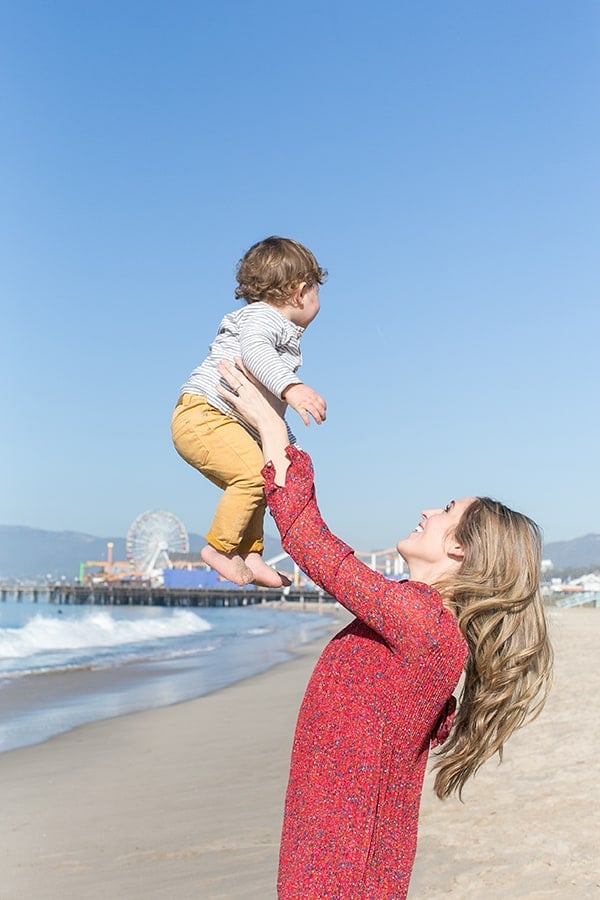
(269, 346)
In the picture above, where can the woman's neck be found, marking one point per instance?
(434, 576)
(426, 573)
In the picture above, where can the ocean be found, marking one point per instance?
(61, 666)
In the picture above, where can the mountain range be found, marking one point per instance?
(37, 554)
(579, 552)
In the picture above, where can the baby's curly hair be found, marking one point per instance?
(272, 269)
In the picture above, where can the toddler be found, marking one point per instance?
(279, 279)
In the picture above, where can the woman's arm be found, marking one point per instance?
(393, 610)
(401, 612)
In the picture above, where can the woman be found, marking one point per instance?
(381, 693)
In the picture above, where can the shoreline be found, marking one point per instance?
(185, 801)
(36, 706)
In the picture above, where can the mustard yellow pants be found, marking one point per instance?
(223, 451)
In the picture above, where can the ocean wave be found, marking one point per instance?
(43, 633)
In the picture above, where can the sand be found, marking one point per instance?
(186, 801)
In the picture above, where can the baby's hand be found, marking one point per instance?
(305, 401)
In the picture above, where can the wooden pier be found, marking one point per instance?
(136, 594)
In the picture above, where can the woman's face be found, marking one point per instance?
(432, 544)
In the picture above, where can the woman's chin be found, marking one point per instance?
(402, 549)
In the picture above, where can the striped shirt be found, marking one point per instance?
(269, 346)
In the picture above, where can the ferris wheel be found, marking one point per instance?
(152, 537)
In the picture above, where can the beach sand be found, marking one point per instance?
(186, 801)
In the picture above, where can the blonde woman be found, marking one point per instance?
(381, 693)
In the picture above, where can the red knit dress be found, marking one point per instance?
(379, 695)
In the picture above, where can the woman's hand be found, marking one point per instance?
(259, 408)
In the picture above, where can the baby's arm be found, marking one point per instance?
(304, 400)
(260, 358)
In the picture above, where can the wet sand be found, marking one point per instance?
(186, 801)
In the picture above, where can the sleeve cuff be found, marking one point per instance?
(301, 468)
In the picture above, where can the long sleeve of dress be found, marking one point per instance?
(398, 611)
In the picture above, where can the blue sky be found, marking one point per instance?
(440, 159)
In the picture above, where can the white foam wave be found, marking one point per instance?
(95, 629)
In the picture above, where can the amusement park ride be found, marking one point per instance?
(153, 538)
(158, 540)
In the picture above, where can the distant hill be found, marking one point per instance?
(582, 551)
(35, 553)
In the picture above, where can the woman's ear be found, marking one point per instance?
(455, 551)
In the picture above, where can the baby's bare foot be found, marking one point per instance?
(263, 574)
(230, 565)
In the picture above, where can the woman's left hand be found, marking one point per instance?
(259, 408)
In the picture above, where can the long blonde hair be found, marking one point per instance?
(496, 597)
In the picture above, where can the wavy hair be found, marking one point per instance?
(272, 269)
(497, 600)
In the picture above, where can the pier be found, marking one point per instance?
(136, 594)
(579, 598)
